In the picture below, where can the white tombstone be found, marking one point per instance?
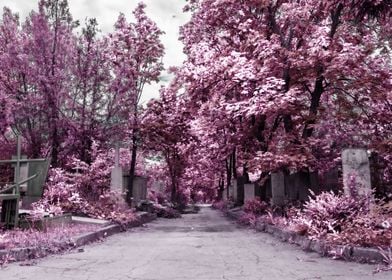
(116, 182)
(139, 191)
(356, 163)
(277, 187)
(249, 192)
(231, 191)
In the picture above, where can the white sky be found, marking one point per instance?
(166, 13)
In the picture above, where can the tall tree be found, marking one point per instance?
(136, 56)
(294, 81)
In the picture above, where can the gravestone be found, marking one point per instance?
(266, 190)
(116, 182)
(33, 189)
(297, 186)
(250, 192)
(356, 163)
(231, 191)
(329, 181)
(224, 195)
(278, 188)
(238, 190)
(139, 191)
(35, 186)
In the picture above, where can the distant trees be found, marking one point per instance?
(63, 89)
(278, 85)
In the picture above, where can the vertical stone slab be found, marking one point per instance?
(35, 187)
(267, 190)
(235, 190)
(224, 195)
(278, 188)
(139, 191)
(249, 192)
(238, 190)
(356, 163)
(116, 182)
(302, 182)
(231, 190)
(329, 181)
(314, 182)
(291, 188)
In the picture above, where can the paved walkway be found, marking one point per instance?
(205, 246)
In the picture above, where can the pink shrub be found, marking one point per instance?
(53, 240)
(342, 219)
(84, 190)
(255, 206)
(248, 219)
(221, 205)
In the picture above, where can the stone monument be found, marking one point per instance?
(278, 188)
(356, 163)
(116, 182)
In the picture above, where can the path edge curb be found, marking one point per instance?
(348, 253)
(28, 253)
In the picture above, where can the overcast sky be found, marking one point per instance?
(166, 13)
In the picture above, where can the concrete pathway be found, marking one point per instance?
(205, 246)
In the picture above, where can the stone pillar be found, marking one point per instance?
(249, 192)
(224, 195)
(231, 190)
(356, 163)
(116, 182)
(139, 191)
(238, 190)
(277, 187)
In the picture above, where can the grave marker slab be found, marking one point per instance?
(356, 163)
(278, 188)
(249, 192)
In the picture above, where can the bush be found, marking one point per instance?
(221, 205)
(342, 219)
(256, 207)
(166, 212)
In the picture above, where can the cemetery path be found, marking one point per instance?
(204, 246)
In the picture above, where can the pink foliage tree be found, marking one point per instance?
(136, 53)
(288, 84)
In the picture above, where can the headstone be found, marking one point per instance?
(267, 190)
(231, 191)
(356, 163)
(249, 192)
(238, 190)
(314, 182)
(139, 192)
(224, 195)
(278, 188)
(35, 187)
(329, 181)
(116, 182)
(23, 173)
(302, 183)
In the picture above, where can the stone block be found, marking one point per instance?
(249, 192)
(116, 182)
(238, 190)
(278, 188)
(356, 163)
(367, 255)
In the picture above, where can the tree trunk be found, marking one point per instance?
(132, 168)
